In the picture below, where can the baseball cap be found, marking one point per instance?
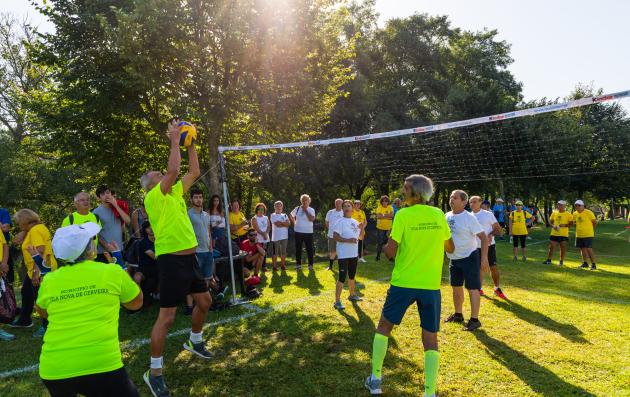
(519, 202)
(69, 242)
(499, 200)
(579, 202)
(562, 202)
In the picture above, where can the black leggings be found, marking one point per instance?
(307, 238)
(521, 238)
(347, 266)
(114, 383)
(29, 296)
(381, 240)
(360, 248)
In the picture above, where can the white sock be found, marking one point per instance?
(196, 338)
(156, 362)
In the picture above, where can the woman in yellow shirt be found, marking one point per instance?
(238, 223)
(38, 260)
(384, 216)
(518, 229)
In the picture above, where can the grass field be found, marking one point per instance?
(564, 332)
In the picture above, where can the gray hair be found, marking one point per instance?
(145, 180)
(278, 202)
(462, 194)
(476, 198)
(302, 197)
(88, 253)
(421, 186)
(76, 196)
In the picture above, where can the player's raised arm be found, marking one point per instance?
(193, 168)
(174, 158)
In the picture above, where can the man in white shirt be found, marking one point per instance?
(465, 263)
(302, 218)
(332, 217)
(492, 228)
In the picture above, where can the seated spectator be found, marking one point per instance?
(146, 276)
(238, 222)
(255, 254)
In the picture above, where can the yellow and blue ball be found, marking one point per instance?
(188, 133)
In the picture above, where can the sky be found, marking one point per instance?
(556, 44)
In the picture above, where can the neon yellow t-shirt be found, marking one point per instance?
(236, 218)
(584, 223)
(3, 241)
(169, 220)
(38, 235)
(560, 218)
(384, 224)
(79, 219)
(420, 231)
(83, 301)
(519, 226)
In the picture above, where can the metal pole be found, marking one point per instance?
(227, 224)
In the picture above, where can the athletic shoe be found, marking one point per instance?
(198, 349)
(156, 384)
(472, 325)
(560, 263)
(188, 310)
(39, 333)
(339, 306)
(378, 258)
(593, 267)
(524, 259)
(17, 324)
(310, 268)
(548, 262)
(362, 260)
(499, 293)
(298, 267)
(5, 336)
(584, 266)
(515, 258)
(455, 318)
(481, 292)
(355, 298)
(373, 385)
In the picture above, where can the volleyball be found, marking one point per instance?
(188, 133)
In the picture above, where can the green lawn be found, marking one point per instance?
(564, 332)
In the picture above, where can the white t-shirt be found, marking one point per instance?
(263, 224)
(302, 224)
(464, 228)
(217, 221)
(332, 217)
(486, 219)
(279, 233)
(347, 228)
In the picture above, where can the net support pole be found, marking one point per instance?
(227, 225)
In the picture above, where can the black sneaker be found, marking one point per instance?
(20, 324)
(156, 384)
(472, 325)
(378, 258)
(455, 318)
(547, 262)
(584, 266)
(593, 267)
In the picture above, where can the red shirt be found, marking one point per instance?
(250, 248)
(123, 206)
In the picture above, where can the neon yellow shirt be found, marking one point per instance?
(169, 220)
(420, 231)
(3, 241)
(560, 218)
(38, 235)
(384, 224)
(584, 223)
(519, 226)
(83, 301)
(236, 218)
(79, 219)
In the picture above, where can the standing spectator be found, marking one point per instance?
(560, 222)
(138, 217)
(499, 211)
(302, 218)
(217, 217)
(396, 205)
(202, 227)
(81, 351)
(492, 228)
(5, 228)
(465, 263)
(332, 217)
(124, 206)
(238, 223)
(518, 229)
(110, 238)
(4, 269)
(82, 214)
(384, 216)
(346, 232)
(279, 234)
(146, 276)
(260, 223)
(38, 259)
(585, 223)
(359, 215)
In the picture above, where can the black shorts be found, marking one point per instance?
(492, 254)
(584, 242)
(113, 383)
(520, 238)
(180, 275)
(466, 271)
(558, 239)
(347, 267)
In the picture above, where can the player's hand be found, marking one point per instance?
(485, 266)
(35, 280)
(352, 240)
(32, 250)
(112, 201)
(113, 246)
(172, 132)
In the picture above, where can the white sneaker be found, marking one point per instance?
(362, 260)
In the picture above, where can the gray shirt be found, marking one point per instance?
(201, 225)
(111, 228)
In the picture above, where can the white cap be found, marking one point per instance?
(579, 202)
(69, 242)
(562, 202)
(499, 200)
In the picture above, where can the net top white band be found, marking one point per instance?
(438, 127)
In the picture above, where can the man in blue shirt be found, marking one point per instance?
(499, 212)
(5, 227)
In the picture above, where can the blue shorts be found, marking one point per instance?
(466, 270)
(206, 264)
(429, 306)
(218, 232)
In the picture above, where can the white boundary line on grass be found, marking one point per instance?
(255, 311)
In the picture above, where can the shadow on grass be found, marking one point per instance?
(279, 280)
(567, 331)
(309, 282)
(539, 378)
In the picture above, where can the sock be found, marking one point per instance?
(431, 365)
(157, 362)
(379, 349)
(196, 338)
